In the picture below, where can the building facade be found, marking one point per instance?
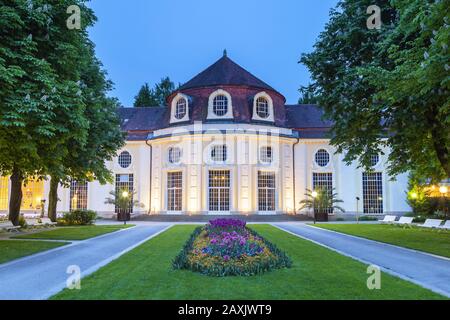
(227, 143)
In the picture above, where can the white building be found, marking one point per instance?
(226, 143)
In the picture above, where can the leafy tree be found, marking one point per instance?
(155, 97)
(163, 89)
(82, 156)
(32, 97)
(307, 96)
(52, 97)
(145, 97)
(320, 201)
(386, 87)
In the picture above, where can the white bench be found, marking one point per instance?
(48, 222)
(446, 225)
(8, 226)
(431, 223)
(405, 221)
(388, 219)
(33, 223)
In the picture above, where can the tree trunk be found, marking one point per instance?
(53, 198)
(15, 200)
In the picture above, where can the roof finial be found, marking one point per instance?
(224, 52)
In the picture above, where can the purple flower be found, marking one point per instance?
(226, 257)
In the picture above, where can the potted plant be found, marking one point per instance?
(321, 201)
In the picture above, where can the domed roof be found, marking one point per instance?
(225, 72)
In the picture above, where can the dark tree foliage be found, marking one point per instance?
(387, 87)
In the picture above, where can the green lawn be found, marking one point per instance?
(14, 249)
(74, 233)
(432, 241)
(317, 273)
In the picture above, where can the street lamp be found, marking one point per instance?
(125, 196)
(357, 209)
(314, 195)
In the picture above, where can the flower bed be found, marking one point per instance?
(226, 247)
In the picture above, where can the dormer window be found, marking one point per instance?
(220, 105)
(263, 107)
(179, 108)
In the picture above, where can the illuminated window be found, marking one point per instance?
(266, 191)
(372, 192)
(219, 153)
(262, 107)
(322, 157)
(124, 183)
(323, 181)
(4, 193)
(78, 195)
(219, 190)
(32, 194)
(174, 191)
(124, 159)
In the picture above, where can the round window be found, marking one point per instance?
(124, 159)
(322, 157)
(174, 155)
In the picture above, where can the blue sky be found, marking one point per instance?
(144, 40)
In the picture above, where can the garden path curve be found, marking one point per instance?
(44, 274)
(426, 270)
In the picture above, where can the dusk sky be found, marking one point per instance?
(142, 41)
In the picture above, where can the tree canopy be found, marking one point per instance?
(388, 86)
(154, 97)
(52, 97)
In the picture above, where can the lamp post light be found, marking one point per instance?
(125, 195)
(314, 195)
(357, 210)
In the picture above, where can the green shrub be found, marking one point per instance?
(340, 219)
(368, 218)
(78, 218)
(22, 222)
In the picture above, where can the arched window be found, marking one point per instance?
(262, 107)
(322, 157)
(266, 154)
(219, 153)
(374, 160)
(180, 108)
(124, 159)
(220, 105)
(174, 155)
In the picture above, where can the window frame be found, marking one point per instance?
(256, 116)
(211, 114)
(174, 191)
